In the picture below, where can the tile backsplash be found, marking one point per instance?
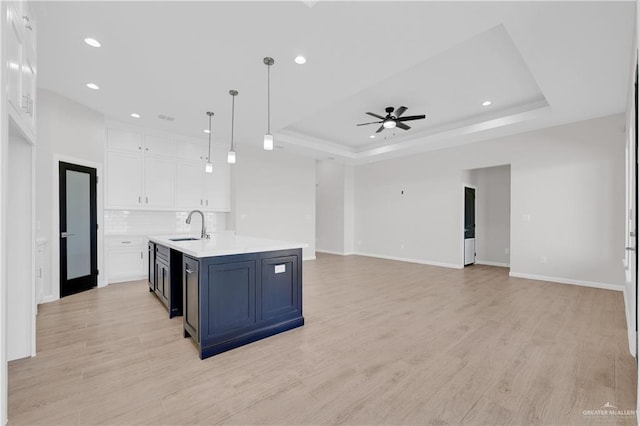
(137, 222)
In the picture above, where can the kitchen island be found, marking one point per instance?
(234, 289)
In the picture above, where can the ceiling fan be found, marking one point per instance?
(391, 121)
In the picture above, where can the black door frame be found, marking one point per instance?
(87, 282)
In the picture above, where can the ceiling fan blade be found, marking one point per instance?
(380, 129)
(400, 111)
(402, 126)
(373, 122)
(375, 115)
(411, 117)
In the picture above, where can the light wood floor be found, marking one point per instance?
(384, 343)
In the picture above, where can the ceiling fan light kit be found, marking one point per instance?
(391, 121)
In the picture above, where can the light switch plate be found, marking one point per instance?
(279, 269)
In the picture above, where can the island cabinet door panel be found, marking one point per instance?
(231, 297)
(279, 287)
(191, 297)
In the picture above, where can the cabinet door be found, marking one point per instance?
(29, 90)
(155, 145)
(191, 151)
(14, 58)
(279, 287)
(158, 181)
(124, 180)
(151, 266)
(124, 140)
(125, 264)
(189, 184)
(162, 279)
(191, 296)
(230, 296)
(217, 195)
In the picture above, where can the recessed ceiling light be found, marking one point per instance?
(92, 42)
(486, 103)
(134, 115)
(300, 59)
(206, 131)
(93, 86)
(372, 136)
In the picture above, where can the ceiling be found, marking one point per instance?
(539, 63)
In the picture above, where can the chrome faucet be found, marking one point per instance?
(203, 234)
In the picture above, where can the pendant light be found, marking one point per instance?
(268, 137)
(231, 156)
(208, 167)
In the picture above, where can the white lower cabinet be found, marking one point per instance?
(126, 258)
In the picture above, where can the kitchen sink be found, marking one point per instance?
(184, 239)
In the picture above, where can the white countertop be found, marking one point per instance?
(222, 244)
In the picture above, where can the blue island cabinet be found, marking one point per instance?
(233, 300)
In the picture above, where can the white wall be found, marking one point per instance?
(493, 221)
(330, 203)
(71, 132)
(274, 196)
(20, 271)
(568, 181)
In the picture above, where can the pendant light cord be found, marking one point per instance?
(269, 99)
(209, 156)
(233, 113)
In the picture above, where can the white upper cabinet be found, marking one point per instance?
(217, 194)
(191, 151)
(159, 181)
(21, 66)
(159, 146)
(124, 140)
(189, 185)
(150, 172)
(124, 180)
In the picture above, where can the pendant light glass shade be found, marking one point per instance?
(268, 142)
(268, 137)
(208, 167)
(231, 155)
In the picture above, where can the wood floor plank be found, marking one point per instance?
(384, 342)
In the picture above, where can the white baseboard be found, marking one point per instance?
(48, 299)
(126, 278)
(489, 263)
(309, 257)
(405, 259)
(605, 286)
(337, 253)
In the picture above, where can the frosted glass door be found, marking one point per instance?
(78, 223)
(78, 228)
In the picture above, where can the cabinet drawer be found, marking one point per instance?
(125, 241)
(162, 252)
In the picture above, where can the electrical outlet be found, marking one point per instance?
(543, 259)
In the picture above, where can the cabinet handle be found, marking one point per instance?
(25, 17)
(126, 242)
(188, 271)
(139, 199)
(146, 199)
(207, 202)
(28, 27)
(141, 257)
(200, 202)
(139, 147)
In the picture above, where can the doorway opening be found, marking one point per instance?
(78, 228)
(486, 216)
